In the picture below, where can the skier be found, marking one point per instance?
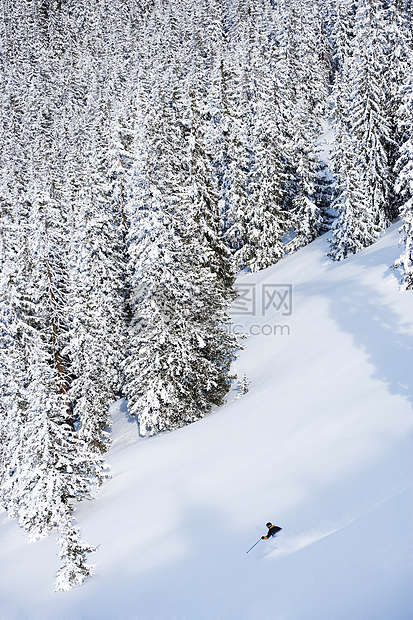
(272, 530)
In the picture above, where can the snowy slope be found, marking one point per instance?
(321, 445)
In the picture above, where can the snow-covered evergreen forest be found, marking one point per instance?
(150, 151)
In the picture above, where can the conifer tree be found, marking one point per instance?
(304, 75)
(47, 465)
(258, 178)
(404, 185)
(200, 188)
(363, 138)
(73, 554)
(398, 76)
(239, 157)
(14, 305)
(180, 352)
(96, 303)
(243, 386)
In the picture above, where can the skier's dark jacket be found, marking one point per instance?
(272, 531)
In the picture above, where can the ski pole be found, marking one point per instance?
(253, 545)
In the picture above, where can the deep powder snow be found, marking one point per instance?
(320, 445)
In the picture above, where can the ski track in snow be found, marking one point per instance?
(285, 544)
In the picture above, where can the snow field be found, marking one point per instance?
(320, 445)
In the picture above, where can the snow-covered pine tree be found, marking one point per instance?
(9, 243)
(200, 187)
(371, 122)
(404, 184)
(363, 137)
(243, 385)
(238, 155)
(13, 368)
(398, 75)
(96, 259)
(180, 351)
(257, 177)
(269, 220)
(406, 259)
(73, 555)
(47, 464)
(307, 68)
(15, 300)
(352, 230)
(342, 32)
